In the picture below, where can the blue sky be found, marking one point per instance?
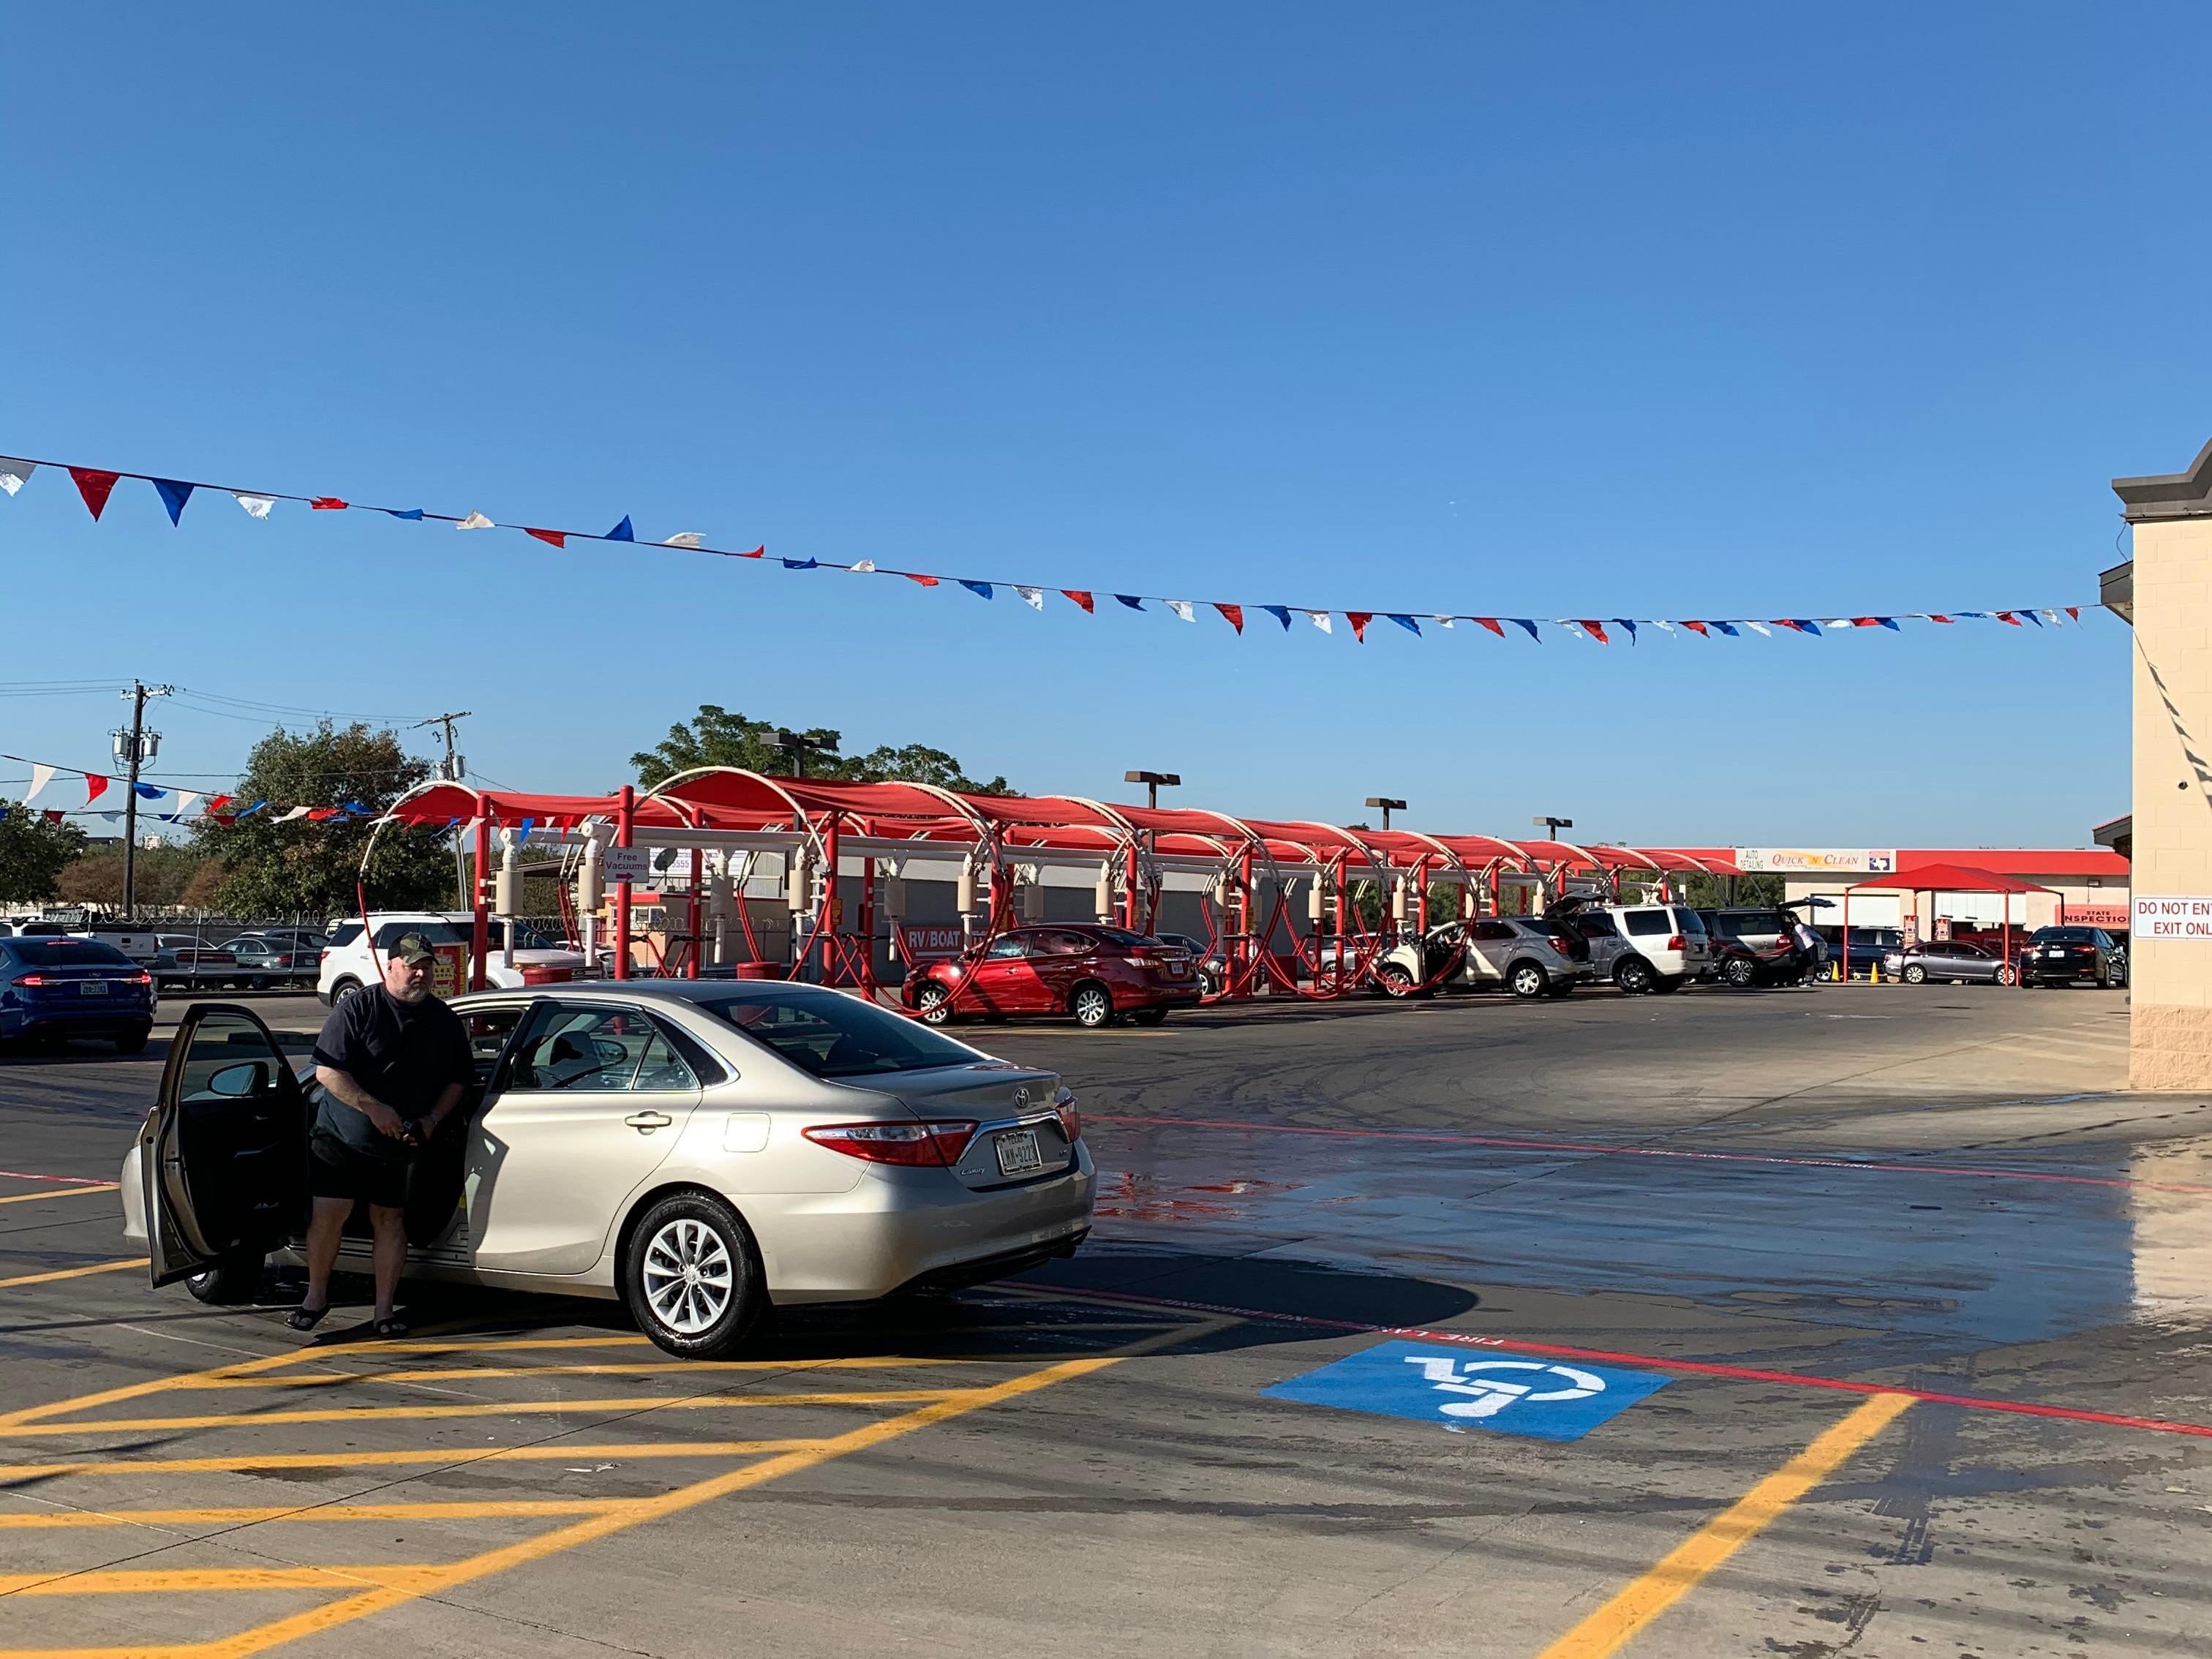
(1716, 311)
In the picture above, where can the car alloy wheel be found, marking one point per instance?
(936, 1004)
(2005, 975)
(1395, 980)
(1738, 973)
(691, 1277)
(1634, 977)
(1915, 974)
(1527, 980)
(1092, 1006)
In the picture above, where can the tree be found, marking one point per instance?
(719, 737)
(165, 876)
(33, 851)
(303, 868)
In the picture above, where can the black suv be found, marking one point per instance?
(2059, 955)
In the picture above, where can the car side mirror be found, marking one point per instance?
(248, 1078)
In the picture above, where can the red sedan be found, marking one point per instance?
(1096, 974)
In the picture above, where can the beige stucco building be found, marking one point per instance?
(2168, 592)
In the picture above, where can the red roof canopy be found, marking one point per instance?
(1946, 878)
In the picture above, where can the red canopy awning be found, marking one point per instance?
(1946, 878)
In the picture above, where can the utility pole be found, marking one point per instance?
(134, 749)
(452, 768)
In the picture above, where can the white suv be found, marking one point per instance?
(348, 964)
(1662, 947)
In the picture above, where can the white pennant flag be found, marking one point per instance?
(185, 799)
(2050, 616)
(474, 521)
(685, 538)
(292, 816)
(14, 475)
(1442, 622)
(1669, 626)
(256, 506)
(1033, 598)
(1759, 628)
(866, 566)
(1320, 619)
(1839, 622)
(1182, 608)
(40, 777)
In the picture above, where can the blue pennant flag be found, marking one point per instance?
(2031, 615)
(1281, 613)
(803, 564)
(983, 589)
(1524, 622)
(1132, 601)
(405, 511)
(1406, 623)
(1806, 625)
(1982, 615)
(358, 809)
(173, 497)
(149, 792)
(522, 832)
(1890, 623)
(621, 532)
(251, 809)
(1729, 628)
(1624, 622)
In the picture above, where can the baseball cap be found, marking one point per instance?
(412, 948)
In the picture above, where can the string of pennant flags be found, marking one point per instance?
(184, 804)
(96, 484)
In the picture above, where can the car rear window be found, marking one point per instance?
(66, 953)
(831, 1036)
(1690, 922)
(2068, 936)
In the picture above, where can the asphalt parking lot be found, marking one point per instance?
(1896, 1305)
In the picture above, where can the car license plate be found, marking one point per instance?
(1018, 1153)
(94, 987)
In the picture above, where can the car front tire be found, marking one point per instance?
(935, 1003)
(229, 1281)
(692, 1279)
(1092, 1004)
(2006, 976)
(1915, 974)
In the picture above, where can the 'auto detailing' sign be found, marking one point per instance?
(2188, 917)
(1816, 861)
(931, 941)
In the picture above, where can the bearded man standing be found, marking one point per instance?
(393, 1060)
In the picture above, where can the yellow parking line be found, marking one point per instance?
(64, 1192)
(636, 1402)
(66, 1520)
(73, 1272)
(643, 1368)
(1683, 1568)
(550, 1452)
(156, 1385)
(145, 1581)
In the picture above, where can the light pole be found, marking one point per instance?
(1387, 804)
(1152, 781)
(797, 745)
(1552, 826)
(133, 749)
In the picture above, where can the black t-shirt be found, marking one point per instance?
(404, 1055)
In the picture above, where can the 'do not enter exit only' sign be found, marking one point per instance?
(2188, 916)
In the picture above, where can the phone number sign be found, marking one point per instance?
(2188, 916)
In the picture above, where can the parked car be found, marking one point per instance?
(1855, 951)
(267, 959)
(2060, 956)
(699, 1150)
(1753, 947)
(347, 963)
(1210, 963)
(192, 965)
(1960, 962)
(1644, 947)
(1094, 972)
(55, 988)
(1521, 954)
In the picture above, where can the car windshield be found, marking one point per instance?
(67, 953)
(831, 1035)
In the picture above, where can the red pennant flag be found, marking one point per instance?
(2075, 611)
(93, 485)
(1235, 613)
(1866, 622)
(1359, 619)
(2007, 616)
(550, 537)
(94, 787)
(1784, 621)
(926, 581)
(1491, 622)
(1081, 597)
(323, 814)
(54, 815)
(759, 552)
(1596, 630)
(217, 804)
(328, 504)
(1945, 620)
(1698, 628)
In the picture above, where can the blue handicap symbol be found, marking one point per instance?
(1541, 1398)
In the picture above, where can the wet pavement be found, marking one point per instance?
(1925, 1296)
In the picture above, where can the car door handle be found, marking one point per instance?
(647, 1123)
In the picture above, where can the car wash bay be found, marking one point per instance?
(1890, 1304)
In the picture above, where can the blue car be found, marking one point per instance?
(52, 989)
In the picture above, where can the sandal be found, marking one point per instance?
(304, 1318)
(394, 1326)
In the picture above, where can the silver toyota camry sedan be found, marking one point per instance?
(703, 1149)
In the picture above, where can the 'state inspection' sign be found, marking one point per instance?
(2186, 917)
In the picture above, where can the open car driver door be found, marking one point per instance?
(223, 1153)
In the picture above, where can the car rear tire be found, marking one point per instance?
(1092, 1004)
(1148, 1015)
(1915, 974)
(1527, 980)
(692, 1278)
(341, 989)
(229, 1280)
(1634, 977)
(1739, 972)
(1393, 980)
(935, 1004)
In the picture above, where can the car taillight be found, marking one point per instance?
(139, 978)
(33, 981)
(1563, 945)
(1071, 1121)
(1675, 943)
(931, 1145)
